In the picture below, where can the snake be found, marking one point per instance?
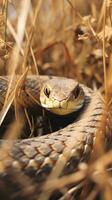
(64, 97)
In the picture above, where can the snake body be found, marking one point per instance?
(36, 157)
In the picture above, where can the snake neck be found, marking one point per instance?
(27, 94)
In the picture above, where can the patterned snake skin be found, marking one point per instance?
(36, 157)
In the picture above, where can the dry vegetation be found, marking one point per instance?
(66, 38)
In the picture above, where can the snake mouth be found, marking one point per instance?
(63, 107)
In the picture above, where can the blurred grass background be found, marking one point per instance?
(67, 38)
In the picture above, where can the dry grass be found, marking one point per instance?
(65, 38)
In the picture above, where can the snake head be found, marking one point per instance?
(62, 96)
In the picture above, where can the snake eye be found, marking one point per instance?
(47, 92)
(76, 91)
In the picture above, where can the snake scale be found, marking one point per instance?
(37, 156)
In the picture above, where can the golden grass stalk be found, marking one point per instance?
(15, 56)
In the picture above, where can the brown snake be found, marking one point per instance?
(36, 157)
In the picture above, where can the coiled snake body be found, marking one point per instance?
(36, 157)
